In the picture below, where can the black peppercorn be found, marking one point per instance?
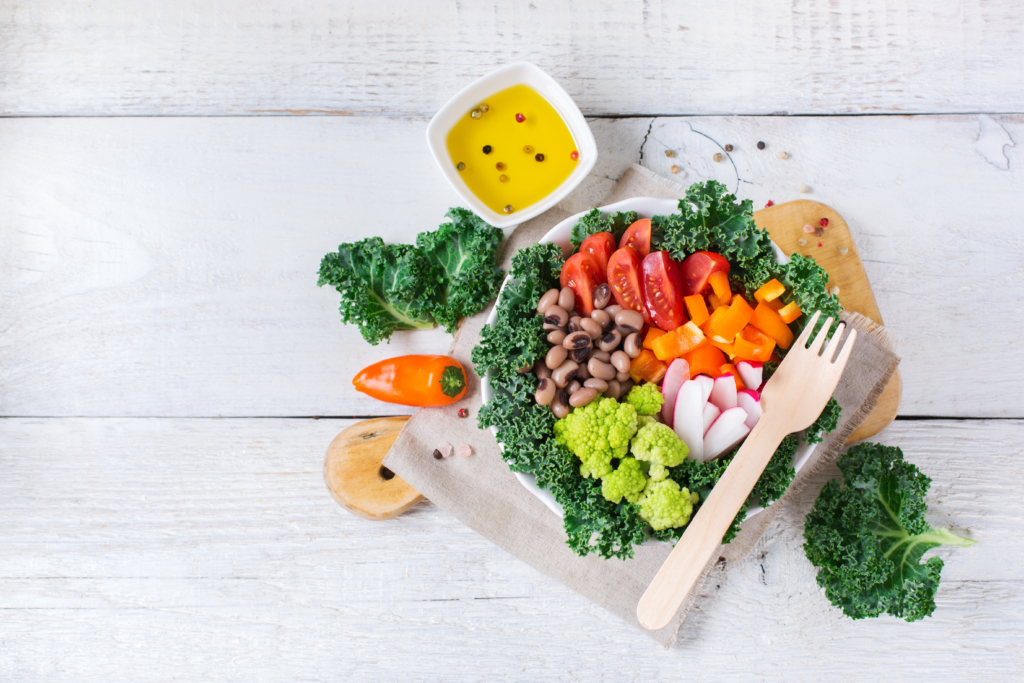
(437, 454)
(728, 148)
(539, 157)
(760, 145)
(487, 149)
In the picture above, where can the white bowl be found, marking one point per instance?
(520, 73)
(646, 207)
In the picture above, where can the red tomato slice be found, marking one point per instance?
(696, 269)
(624, 281)
(663, 290)
(600, 246)
(638, 236)
(581, 273)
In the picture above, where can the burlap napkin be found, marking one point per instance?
(482, 492)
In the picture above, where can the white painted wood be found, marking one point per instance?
(158, 266)
(205, 549)
(193, 57)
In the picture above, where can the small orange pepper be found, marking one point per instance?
(769, 322)
(705, 360)
(790, 312)
(683, 339)
(730, 369)
(414, 380)
(647, 367)
(719, 282)
(652, 334)
(733, 320)
(697, 308)
(770, 290)
(753, 344)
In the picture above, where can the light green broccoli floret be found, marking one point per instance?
(664, 506)
(646, 398)
(657, 443)
(627, 481)
(657, 472)
(596, 433)
(642, 420)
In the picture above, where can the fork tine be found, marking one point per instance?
(822, 336)
(805, 334)
(844, 355)
(833, 344)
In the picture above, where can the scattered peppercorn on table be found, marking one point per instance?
(172, 376)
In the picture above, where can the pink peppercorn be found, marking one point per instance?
(520, 118)
(824, 222)
(574, 155)
(770, 203)
(465, 413)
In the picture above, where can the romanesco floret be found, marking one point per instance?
(664, 506)
(657, 443)
(596, 433)
(642, 420)
(657, 472)
(646, 398)
(627, 481)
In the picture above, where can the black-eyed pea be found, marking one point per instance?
(614, 390)
(601, 318)
(556, 337)
(556, 315)
(567, 299)
(565, 373)
(622, 376)
(600, 369)
(631, 320)
(574, 386)
(549, 298)
(582, 397)
(620, 359)
(591, 327)
(602, 296)
(594, 383)
(545, 392)
(556, 356)
(632, 345)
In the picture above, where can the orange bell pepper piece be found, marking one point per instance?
(714, 302)
(769, 322)
(775, 304)
(790, 312)
(713, 318)
(697, 308)
(705, 360)
(728, 348)
(753, 344)
(683, 339)
(647, 367)
(730, 369)
(769, 291)
(733, 320)
(652, 334)
(719, 282)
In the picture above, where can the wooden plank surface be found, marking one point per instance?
(167, 266)
(406, 57)
(208, 549)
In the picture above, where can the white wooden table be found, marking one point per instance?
(171, 174)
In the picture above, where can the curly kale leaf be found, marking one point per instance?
(778, 474)
(465, 251)
(383, 287)
(594, 222)
(701, 477)
(826, 422)
(867, 537)
(806, 284)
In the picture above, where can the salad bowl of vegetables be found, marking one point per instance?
(624, 357)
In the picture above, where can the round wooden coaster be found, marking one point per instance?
(357, 479)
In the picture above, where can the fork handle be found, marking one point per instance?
(704, 534)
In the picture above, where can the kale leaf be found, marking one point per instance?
(867, 538)
(805, 283)
(594, 222)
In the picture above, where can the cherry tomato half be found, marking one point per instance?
(696, 269)
(600, 246)
(624, 281)
(663, 290)
(581, 273)
(638, 236)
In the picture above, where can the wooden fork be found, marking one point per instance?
(792, 399)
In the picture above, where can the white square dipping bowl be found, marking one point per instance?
(520, 73)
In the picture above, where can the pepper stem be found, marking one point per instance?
(453, 381)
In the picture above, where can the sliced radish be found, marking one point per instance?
(750, 373)
(706, 384)
(725, 433)
(688, 418)
(723, 394)
(750, 401)
(711, 413)
(677, 373)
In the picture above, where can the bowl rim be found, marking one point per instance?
(559, 234)
(506, 76)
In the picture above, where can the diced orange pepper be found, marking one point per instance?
(769, 322)
(697, 309)
(728, 348)
(753, 344)
(683, 339)
(733, 320)
(775, 304)
(705, 360)
(652, 334)
(647, 367)
(730, 369)
(714, 317)
(790, 312)
(772, 289)
(715, 302)
(719, 281)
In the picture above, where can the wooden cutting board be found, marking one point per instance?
(785, 223)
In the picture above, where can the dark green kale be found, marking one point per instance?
(451, 273)
(806, 284)
(867, 537)
(701, 477)
(778, 474)
(826, 422)
(594, 222)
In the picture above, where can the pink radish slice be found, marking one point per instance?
(723, 394)
(677, 373)
(711, 413)
(750, 401)
(688, 418)
(706, 384)
(750, 373)
(725, 433)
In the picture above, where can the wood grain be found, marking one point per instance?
(132, 548)
(785, 222)
(407, 57)
(356, 477)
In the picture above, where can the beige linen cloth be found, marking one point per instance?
(482, 492)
